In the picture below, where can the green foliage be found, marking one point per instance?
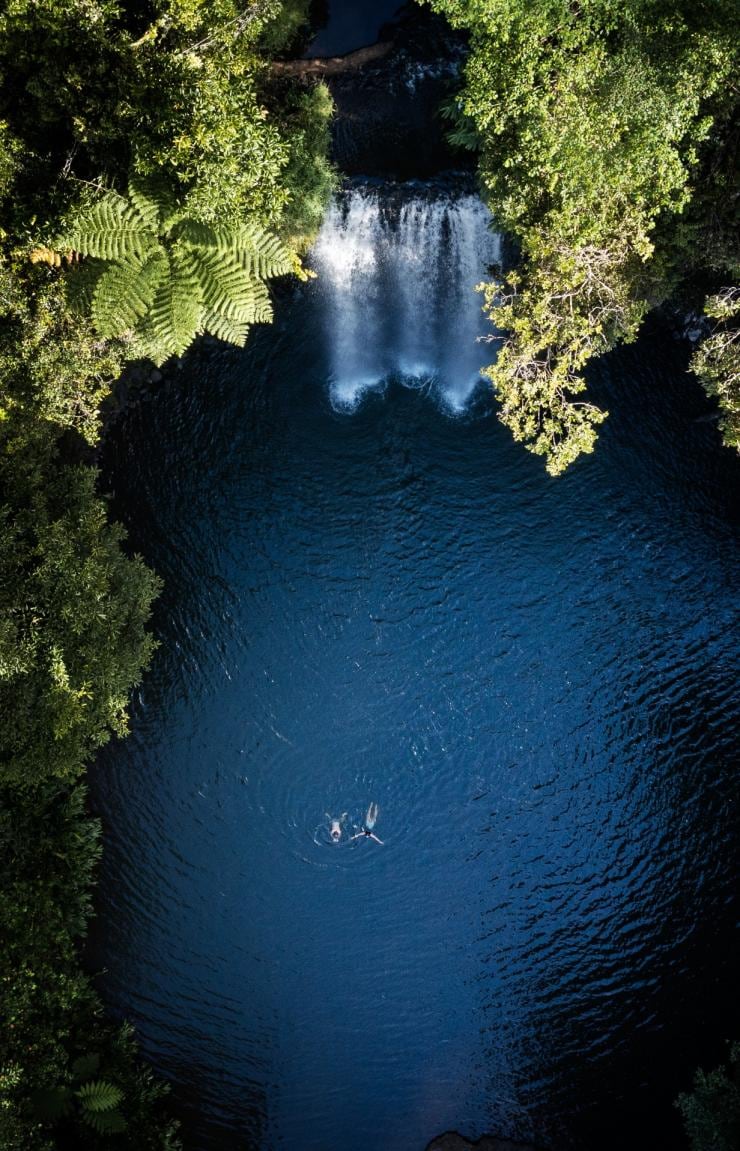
(308, 174)
(54, 1039)
(99, 1095)
(85, 1066)
(717, 361)
(51, 1103)
(176, 89)
(595, 127)
(179, 92)
(55, 374)
(97, 1104)
(72, 638)
(711, 1112)
(171, 276)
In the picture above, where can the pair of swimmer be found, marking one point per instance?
(366, 832)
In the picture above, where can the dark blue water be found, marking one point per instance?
(374, 595)
(352, 25)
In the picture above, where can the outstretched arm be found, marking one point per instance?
(374, 836)
(358, 836)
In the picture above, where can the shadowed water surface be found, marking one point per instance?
(373, 594)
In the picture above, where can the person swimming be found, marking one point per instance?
(366, 832)
(335, 826)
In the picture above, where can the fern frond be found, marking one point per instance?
(106, 1122)
(229, 290)
(146, 346)
(145, 203)
(232, 331)
(174, 317)
(80, 284)
(199, 235)
(44, 255)
(111, 230)
(261, 253)
(99, 1095)
(124, 293)
(154, 200)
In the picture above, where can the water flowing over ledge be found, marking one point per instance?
(398, 267)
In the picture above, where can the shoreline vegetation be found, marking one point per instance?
(130, 133)
(606, 137)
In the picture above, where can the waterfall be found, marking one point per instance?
(398, 269)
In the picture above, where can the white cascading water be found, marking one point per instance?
(398, 273)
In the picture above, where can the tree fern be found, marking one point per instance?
(164, 278)
(111, 230)
(262, 254)
(124, 293)
(176, 308)
(199, 235)
(154, 202)
(232, 331)
(230, 291)
(99, 1095)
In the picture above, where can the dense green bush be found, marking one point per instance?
(72, 628)
(599, 129)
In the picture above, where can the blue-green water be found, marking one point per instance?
(372, 594)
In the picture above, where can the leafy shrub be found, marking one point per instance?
(711, 1112)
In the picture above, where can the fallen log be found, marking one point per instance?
(333, 65)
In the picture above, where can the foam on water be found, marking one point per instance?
(399, 287)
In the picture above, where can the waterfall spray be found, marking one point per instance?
(398, 274)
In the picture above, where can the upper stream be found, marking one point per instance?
(372, 594)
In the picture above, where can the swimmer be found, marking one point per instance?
(335, 826)
(365, 834)
(367, 831)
